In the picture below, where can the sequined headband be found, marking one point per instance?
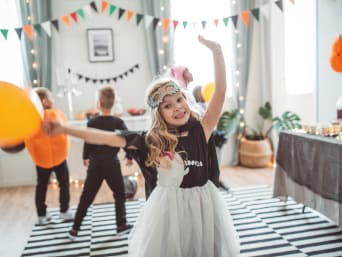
(169, 88)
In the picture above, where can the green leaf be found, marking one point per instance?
(229, 121)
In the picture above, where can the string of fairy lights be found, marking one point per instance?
(33, 50)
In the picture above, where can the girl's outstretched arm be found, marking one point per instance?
(90, 135)
(212, 115)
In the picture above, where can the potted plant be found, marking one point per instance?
(256, 149)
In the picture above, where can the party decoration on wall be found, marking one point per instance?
(20, 118)
(106, 8)
(207, 91)
(336, 55)
(115, 78)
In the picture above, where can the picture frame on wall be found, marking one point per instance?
(100, 45)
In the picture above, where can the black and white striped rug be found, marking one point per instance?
(266, 226)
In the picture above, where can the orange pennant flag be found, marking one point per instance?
(216, 21)
(104, 5)
(245, 17)
(129, 15)
(29, 31)
(175, 23)
(66, 20)
(166, 23)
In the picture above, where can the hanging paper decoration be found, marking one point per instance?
(245, 17)
(336, 55)
(139, 18)
(102, 80)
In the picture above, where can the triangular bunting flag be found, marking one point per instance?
(121, 76)
(292, 1)
(93, 6)
(139, 18)
(136, 66)
(79, 76)
(18, 30)
(126, 73)
(108, 80)
(115, 79)
(104, 5)
(4, 33)
(279, 3)
(245, 17)
(185, 23)
(216, 21)
(255, 13)
(66, 20)
(112, 8)
(88, 10)
(74, 16)
(101, 81)
(47, 27)
(38, 28)
(225, 21)
(94, 80)
(80, 12)
(264, 9)
(155, 23)
(166, 23)
(234, 19)
(28, 29)
(131, 70)
(55, 23)
(121, 12)
(203, 24)
(86, 79)
(194, 24)
(129, 15)
(149, 20)
(175, 23)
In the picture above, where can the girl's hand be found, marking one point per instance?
(212, 45)
(52, 127)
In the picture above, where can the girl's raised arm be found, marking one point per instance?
(211, 117)
(90, 135)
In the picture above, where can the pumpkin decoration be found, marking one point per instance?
(336, 55)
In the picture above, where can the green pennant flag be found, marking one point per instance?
(185, 23)
(112, 8)
(139, 18)
(255, 13)
(80, 12)
(38, 28)
(225, 21)
(4, 33)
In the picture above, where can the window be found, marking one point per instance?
(187, 50)
(11, 68)
(300, 47)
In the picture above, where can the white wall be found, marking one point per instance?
(329, 27)
(70, 50)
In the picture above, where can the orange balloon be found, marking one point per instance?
(336, 55)
(208, 91)
(20, 117)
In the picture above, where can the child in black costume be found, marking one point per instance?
(103, 164)
(185, 214)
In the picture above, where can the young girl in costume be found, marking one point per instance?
(185, 215)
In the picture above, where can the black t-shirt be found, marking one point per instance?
(201, 166)
(98, 152)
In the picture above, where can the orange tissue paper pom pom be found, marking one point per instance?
(336, 55)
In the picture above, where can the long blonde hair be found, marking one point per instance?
(158, 138)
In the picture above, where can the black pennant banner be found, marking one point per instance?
(102, 80)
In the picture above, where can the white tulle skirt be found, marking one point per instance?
(184, 222)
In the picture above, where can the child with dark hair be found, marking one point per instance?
(103, 164)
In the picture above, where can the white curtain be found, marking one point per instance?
(11, 68)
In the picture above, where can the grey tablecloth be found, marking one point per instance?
(312, 161)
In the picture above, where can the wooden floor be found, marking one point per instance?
(18, 214)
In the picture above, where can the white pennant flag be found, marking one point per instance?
(87, 10)
(47, 27)
(265, 11)
(148, 21)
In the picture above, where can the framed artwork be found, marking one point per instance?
(100, 45)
